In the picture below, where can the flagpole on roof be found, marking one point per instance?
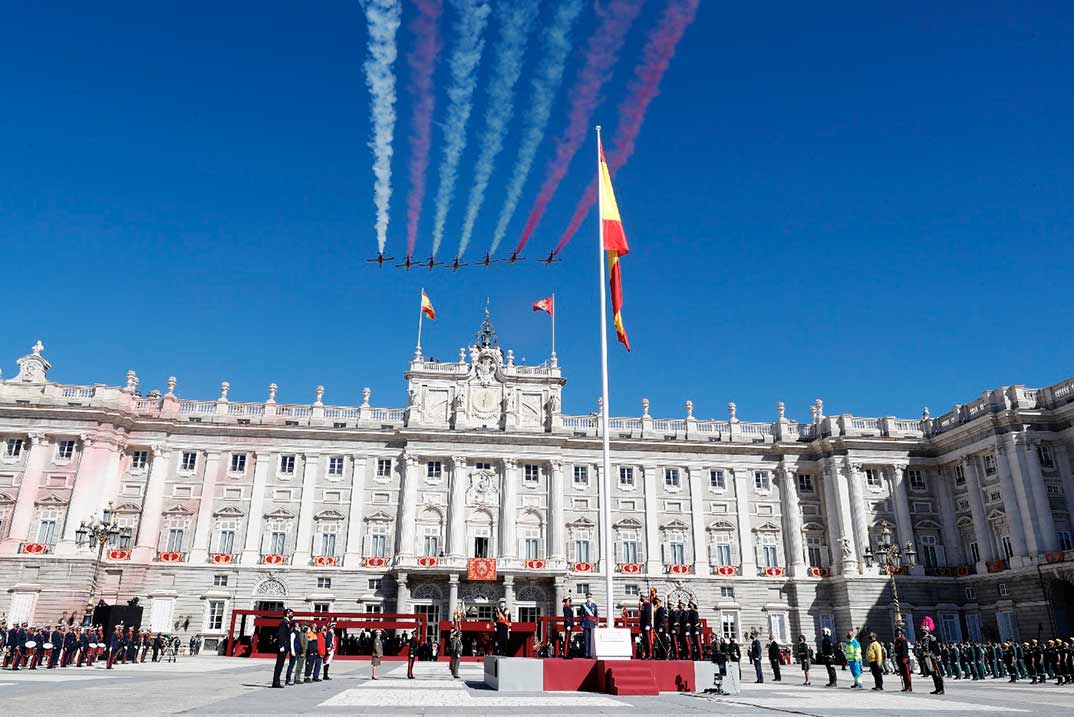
(605, 489)
(554, 310)
(421, 315)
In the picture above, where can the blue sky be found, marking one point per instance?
(869, 205)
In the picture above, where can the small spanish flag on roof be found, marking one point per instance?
(615, 244)
(427, 306)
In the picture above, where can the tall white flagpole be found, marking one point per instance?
(554, 310)
(421, 315)
(605, 485)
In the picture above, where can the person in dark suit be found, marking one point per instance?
(673, 631)
(693, 619)
(283, 639)
(56, 638)
(902, 661)
(660, 627)
(756, 653)
(115, 646)
(411, 654)
(568, 627)
(8, 643)
(21, 636)
(645, 624)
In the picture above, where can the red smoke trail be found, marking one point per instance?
(422, 61)
(645, 86)
(615, 17)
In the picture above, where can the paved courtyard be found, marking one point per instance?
(213, 685)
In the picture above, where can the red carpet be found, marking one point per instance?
(620, 677)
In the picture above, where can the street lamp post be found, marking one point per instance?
(99, 533)
(891, 557)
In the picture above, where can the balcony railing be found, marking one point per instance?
(35, 548)
(223, 558)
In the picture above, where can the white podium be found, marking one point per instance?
(612, 643)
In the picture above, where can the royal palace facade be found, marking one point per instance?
(772, 526)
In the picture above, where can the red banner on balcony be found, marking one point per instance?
(679, 569)
(119, 554)
(427, 561)
(582, 567)
(630, 568)
(170, 556)
(35, 548)
(536, 564)
(481, 569)
(324, 561)
(222, 558)
(273, 559)
(726, 570)
(962, 570)
(1055, 556)
(997, 566)
(773, 572)
(376, 562)
(818, 572)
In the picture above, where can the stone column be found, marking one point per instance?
(832, 517)
(557, 521)
(508, 511)
(653, 566)
(792, 520)
(353, 555)
(402, 595)
(199, 553)
(855, 480)
(1062, 461)
(23, 513)
(457, 511)
(1029, 466)
(981, 529)
(145, 549)
(904, 527)
(848, 544)
(697, 521)
(747, 554)
(453, 594)
(952, 541)
(100, 456)
(1016, 505)
(311, 465)
(255, 520)
(408, 509)
(509, 592)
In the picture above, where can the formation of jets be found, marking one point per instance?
(431, 263)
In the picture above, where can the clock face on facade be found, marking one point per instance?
(485, 400)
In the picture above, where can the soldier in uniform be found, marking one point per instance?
(673, 632)
(115, 646)
(40, 637)
(20, 650)
(330, 646)
(56, 639)
(930, 653)
(283, 641)
(503, 627)
(568, 627)
(660, 625)
(827, 655)
(5, 644)
(693, 619)
(590, 620)
(87, 638)
(455, 640)
(645, 625)
(412, 651)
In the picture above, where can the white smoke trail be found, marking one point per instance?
(383, 18)
(472, 17)
(516, 17)
(557, 45)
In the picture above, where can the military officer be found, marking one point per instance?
(20, 650)
(645, 624)
(568, 627)
(660, 627)
(115, 646)
(693, 619)
(503, 627)
(673, 631)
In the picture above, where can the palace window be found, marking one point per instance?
(581, 550)
(324, 583)
(46, 530)
(1003, 590)
(626, 477)
(220, 581)
(373, 584)
(327, 540)
(1064, 539)
(720, 553)
(1008, 549)
(989, 464)
(174, 543)
(768, 552)
(216, 615)
(761, 481)
(277, 543)
(322, 606)
(872, 477)
(384, 468)
(962, 505)
(287, 464)
(531, 473)
(717, 479)
(188, 461)
(816, 551)
(672, 480)
(434, 471)
(632, 589)
(975, 552)
(431, 540)
(971, 593)
(225, 539)
(335, 465)
(805, 483)
(674, 547)
(1044, 453)
(729, 624)
(960, 475)
(581, 588)
(64, 450)
(140, 459)
(917, 479)
(531, 545)
(14, 447)
(238, 463)
(628, 541)
(581, 476)
(930, 551)
(482, 543)
(482, 466)
(378, 542)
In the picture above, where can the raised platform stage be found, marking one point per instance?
(617, 677)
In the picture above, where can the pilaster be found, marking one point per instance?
(746, 552)
(1016, 505)
(508, 511)
(145, 549)
(408, 509)
(199, 553)
(653, 566)
(981, 526)
(792, 519)
(251, 552)
(697, 520)
(359, 469)
(457, 510)
(311, 464)
(1029, 467)
(557, 518)
(23, 512)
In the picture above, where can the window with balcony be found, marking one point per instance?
(378, 543)
(238, 463)
(326, 543)
(769, 552)
(188, 461)
(672, 479)
(384, 468)
(225, 541)
(930, 549)
(626, 476)
(816, 551)
(1008, 548)
(287, 464)
(139, 460)
(531, 546)
(65, 450)
(174, 543)
(630, 544)
(481, 546)
(581, 550)
(335, 466)
(431, 542)
(1064, 540)
(720, 553)
(277, 544)
(46, 531)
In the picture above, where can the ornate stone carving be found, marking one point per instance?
(34, 367)
(271, 587)
(319, 391)
(366, 393)
(272, 388)
(171, 387)
(427, 591)
(224, 388)
(483, 488)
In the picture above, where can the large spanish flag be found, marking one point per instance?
(427, 306)
(615, 244)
